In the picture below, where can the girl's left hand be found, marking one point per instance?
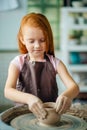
(63, 103)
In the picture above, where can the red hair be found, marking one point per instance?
(37, 20)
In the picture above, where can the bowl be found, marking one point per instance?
(52, 117)
(77, 4)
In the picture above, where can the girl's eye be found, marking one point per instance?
(42, 40)
(31, 41)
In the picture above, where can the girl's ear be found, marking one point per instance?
(22, 40)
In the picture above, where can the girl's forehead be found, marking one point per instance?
(30, 29)
(33, 32)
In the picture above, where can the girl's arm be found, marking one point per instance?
(72, 88)
(63, 102)
(10, 87)
(10, 92)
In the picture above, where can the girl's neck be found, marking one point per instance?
(36, 58)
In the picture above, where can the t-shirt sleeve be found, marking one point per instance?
(55, 61)
(18, 61)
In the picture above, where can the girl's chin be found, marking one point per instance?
(37, 53)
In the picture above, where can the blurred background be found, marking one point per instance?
(68, 19)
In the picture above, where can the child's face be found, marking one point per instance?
(35, 41)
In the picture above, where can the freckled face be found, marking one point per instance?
(35, 42)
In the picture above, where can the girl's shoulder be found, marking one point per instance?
(54, 60)
(19, 61)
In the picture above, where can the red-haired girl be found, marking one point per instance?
(32, 75)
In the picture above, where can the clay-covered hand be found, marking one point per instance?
(63, 103)
(36, 106)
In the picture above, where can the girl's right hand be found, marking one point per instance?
(36, 106)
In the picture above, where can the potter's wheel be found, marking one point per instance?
(29, 122)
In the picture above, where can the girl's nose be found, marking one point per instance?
(37, 44)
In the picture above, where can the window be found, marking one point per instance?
(51, 9)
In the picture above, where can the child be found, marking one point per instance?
(32, 75)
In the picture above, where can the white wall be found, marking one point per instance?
(9, 25)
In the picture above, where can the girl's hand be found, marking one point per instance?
(36, 106)
(63, 103)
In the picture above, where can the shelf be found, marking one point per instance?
(78, 68)
(8, 50)
(76, 54)
(83, 89)
(75, 10)
(46, 5)
(77, 48)
(78, 27)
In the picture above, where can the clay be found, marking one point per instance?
(52, 116)
(21, 118)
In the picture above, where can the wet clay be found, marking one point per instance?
(52, 116)
(20, 118)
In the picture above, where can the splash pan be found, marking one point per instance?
(21, 118)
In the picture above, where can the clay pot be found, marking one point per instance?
(52, 116)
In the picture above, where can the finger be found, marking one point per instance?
(39, 111)
(59, 105)
(66, 104)
(42, 110)
(63, 108)
(34, 109)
